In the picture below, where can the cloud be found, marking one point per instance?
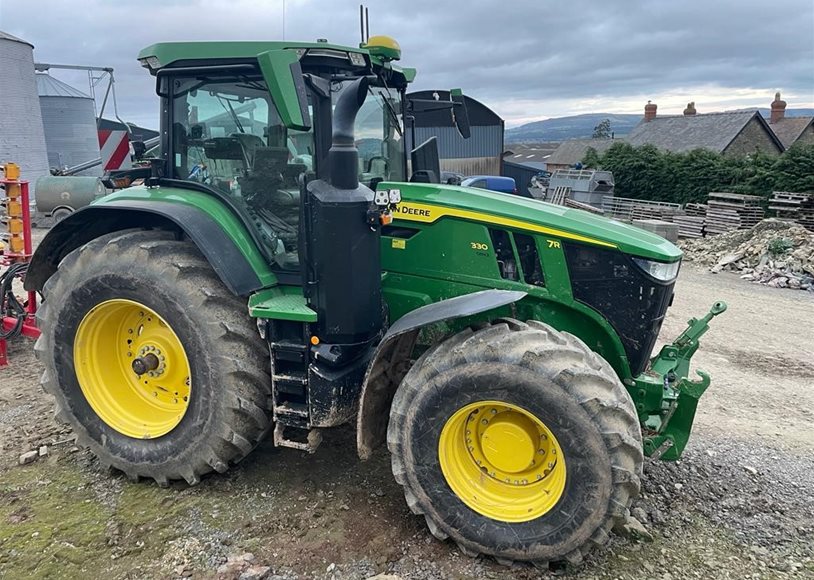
(527, 59)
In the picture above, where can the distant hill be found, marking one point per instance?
(789, 112)
(573, 127)
(582, 126)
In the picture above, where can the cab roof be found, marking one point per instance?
(167, 54)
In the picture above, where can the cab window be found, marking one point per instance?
(227, 134)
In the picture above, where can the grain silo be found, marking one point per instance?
(69, 119)
(22, 139)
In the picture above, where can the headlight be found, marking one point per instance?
(659, 270)
(357, 59)
(150, 62)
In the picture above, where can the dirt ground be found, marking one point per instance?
(740, 504)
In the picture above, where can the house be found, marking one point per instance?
(571, 152)
(534, 155)
(790, 130)
(730, 133)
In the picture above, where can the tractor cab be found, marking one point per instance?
(252, 129)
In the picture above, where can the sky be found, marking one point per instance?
(526, 59)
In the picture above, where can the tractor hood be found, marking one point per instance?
(428, 203)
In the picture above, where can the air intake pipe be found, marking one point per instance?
(343, 270)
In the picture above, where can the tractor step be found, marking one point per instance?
(312, 439)
(288, 340)
(297, 380)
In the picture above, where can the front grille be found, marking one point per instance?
(633, 302)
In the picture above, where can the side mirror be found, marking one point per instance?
(283, 74)
(460, 115)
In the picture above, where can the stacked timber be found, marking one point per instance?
(695, 209)
(732, 211)
(798, 207)
(583, 206)
(626, 209)
(689, 226)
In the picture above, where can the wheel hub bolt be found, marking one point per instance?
(145, 364)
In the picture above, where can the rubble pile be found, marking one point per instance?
(773, 252)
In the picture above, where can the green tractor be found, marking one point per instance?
(283, 270)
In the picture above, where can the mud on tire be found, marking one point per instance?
(559, 379)
(229, 411)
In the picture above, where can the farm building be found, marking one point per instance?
(533, 155)
(479, 155)
(572, 152)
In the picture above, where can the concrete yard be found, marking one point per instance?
(739, 505)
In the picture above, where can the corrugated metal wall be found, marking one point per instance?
(70, 132)
(472, 166)
(22, 139)
(486, 141)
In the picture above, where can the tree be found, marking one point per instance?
(592, 159)
(649, 173)
(794, 170)
(603, 130)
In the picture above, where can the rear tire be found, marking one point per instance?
(559, 384)
(229, 407)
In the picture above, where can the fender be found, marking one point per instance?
(391, 361)
(88, 223)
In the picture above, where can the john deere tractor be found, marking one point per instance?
(282, 269)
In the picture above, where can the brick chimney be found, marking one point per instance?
(778, 109)
(690, 110)
(649, 111)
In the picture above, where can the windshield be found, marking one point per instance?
(379, 135)
(226, 133)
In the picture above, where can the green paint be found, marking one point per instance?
(539, 215)
(211, 206)
(409, 74)
(277, 70)
(163, 54)
(672, 420)
(168, 53)
(281, 303)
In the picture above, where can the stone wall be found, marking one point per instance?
(753, 137)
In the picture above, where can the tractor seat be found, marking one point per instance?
(250, 144)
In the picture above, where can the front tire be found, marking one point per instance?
(198, 398)
(516, 441)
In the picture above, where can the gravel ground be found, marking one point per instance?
(738, 505)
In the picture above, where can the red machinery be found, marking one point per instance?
(16, 318)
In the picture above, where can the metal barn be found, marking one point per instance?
(481, 154)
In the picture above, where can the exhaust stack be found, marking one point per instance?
(343, 155)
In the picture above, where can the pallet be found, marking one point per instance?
(726, 212)
(583, 206)
(626, 209)
(797, 207)
(690, 226)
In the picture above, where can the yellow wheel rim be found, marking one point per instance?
(132, 369)
(502, 461)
